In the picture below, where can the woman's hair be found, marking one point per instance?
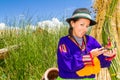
(70, 30)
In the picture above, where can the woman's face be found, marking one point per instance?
(80, 27)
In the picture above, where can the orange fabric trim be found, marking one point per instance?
(90, 69)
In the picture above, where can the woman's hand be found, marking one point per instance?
(96, 52)
(110, 53)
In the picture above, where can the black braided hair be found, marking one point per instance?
(70, 30)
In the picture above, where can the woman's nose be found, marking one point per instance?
(85, 28)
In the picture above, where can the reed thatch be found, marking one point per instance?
(100, 7)
(107, 10)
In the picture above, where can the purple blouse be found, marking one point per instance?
(69, 57)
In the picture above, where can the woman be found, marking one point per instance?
(80, 56)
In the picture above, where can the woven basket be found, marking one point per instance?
(50, 74)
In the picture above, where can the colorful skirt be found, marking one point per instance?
(58, 78)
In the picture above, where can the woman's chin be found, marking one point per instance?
(80, 36)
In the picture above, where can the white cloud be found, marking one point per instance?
(50, 25)
(2, 26)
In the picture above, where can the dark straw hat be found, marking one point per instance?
(81, 13)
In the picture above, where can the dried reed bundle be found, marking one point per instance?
(108, 17)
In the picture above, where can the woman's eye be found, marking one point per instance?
(84, 25)
(87, 26)
(81, 24)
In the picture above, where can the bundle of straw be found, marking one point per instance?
(108, 17)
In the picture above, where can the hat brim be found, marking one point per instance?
(92, 22)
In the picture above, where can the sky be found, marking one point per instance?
(40, 9)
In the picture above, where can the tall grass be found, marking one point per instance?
(37, 53)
